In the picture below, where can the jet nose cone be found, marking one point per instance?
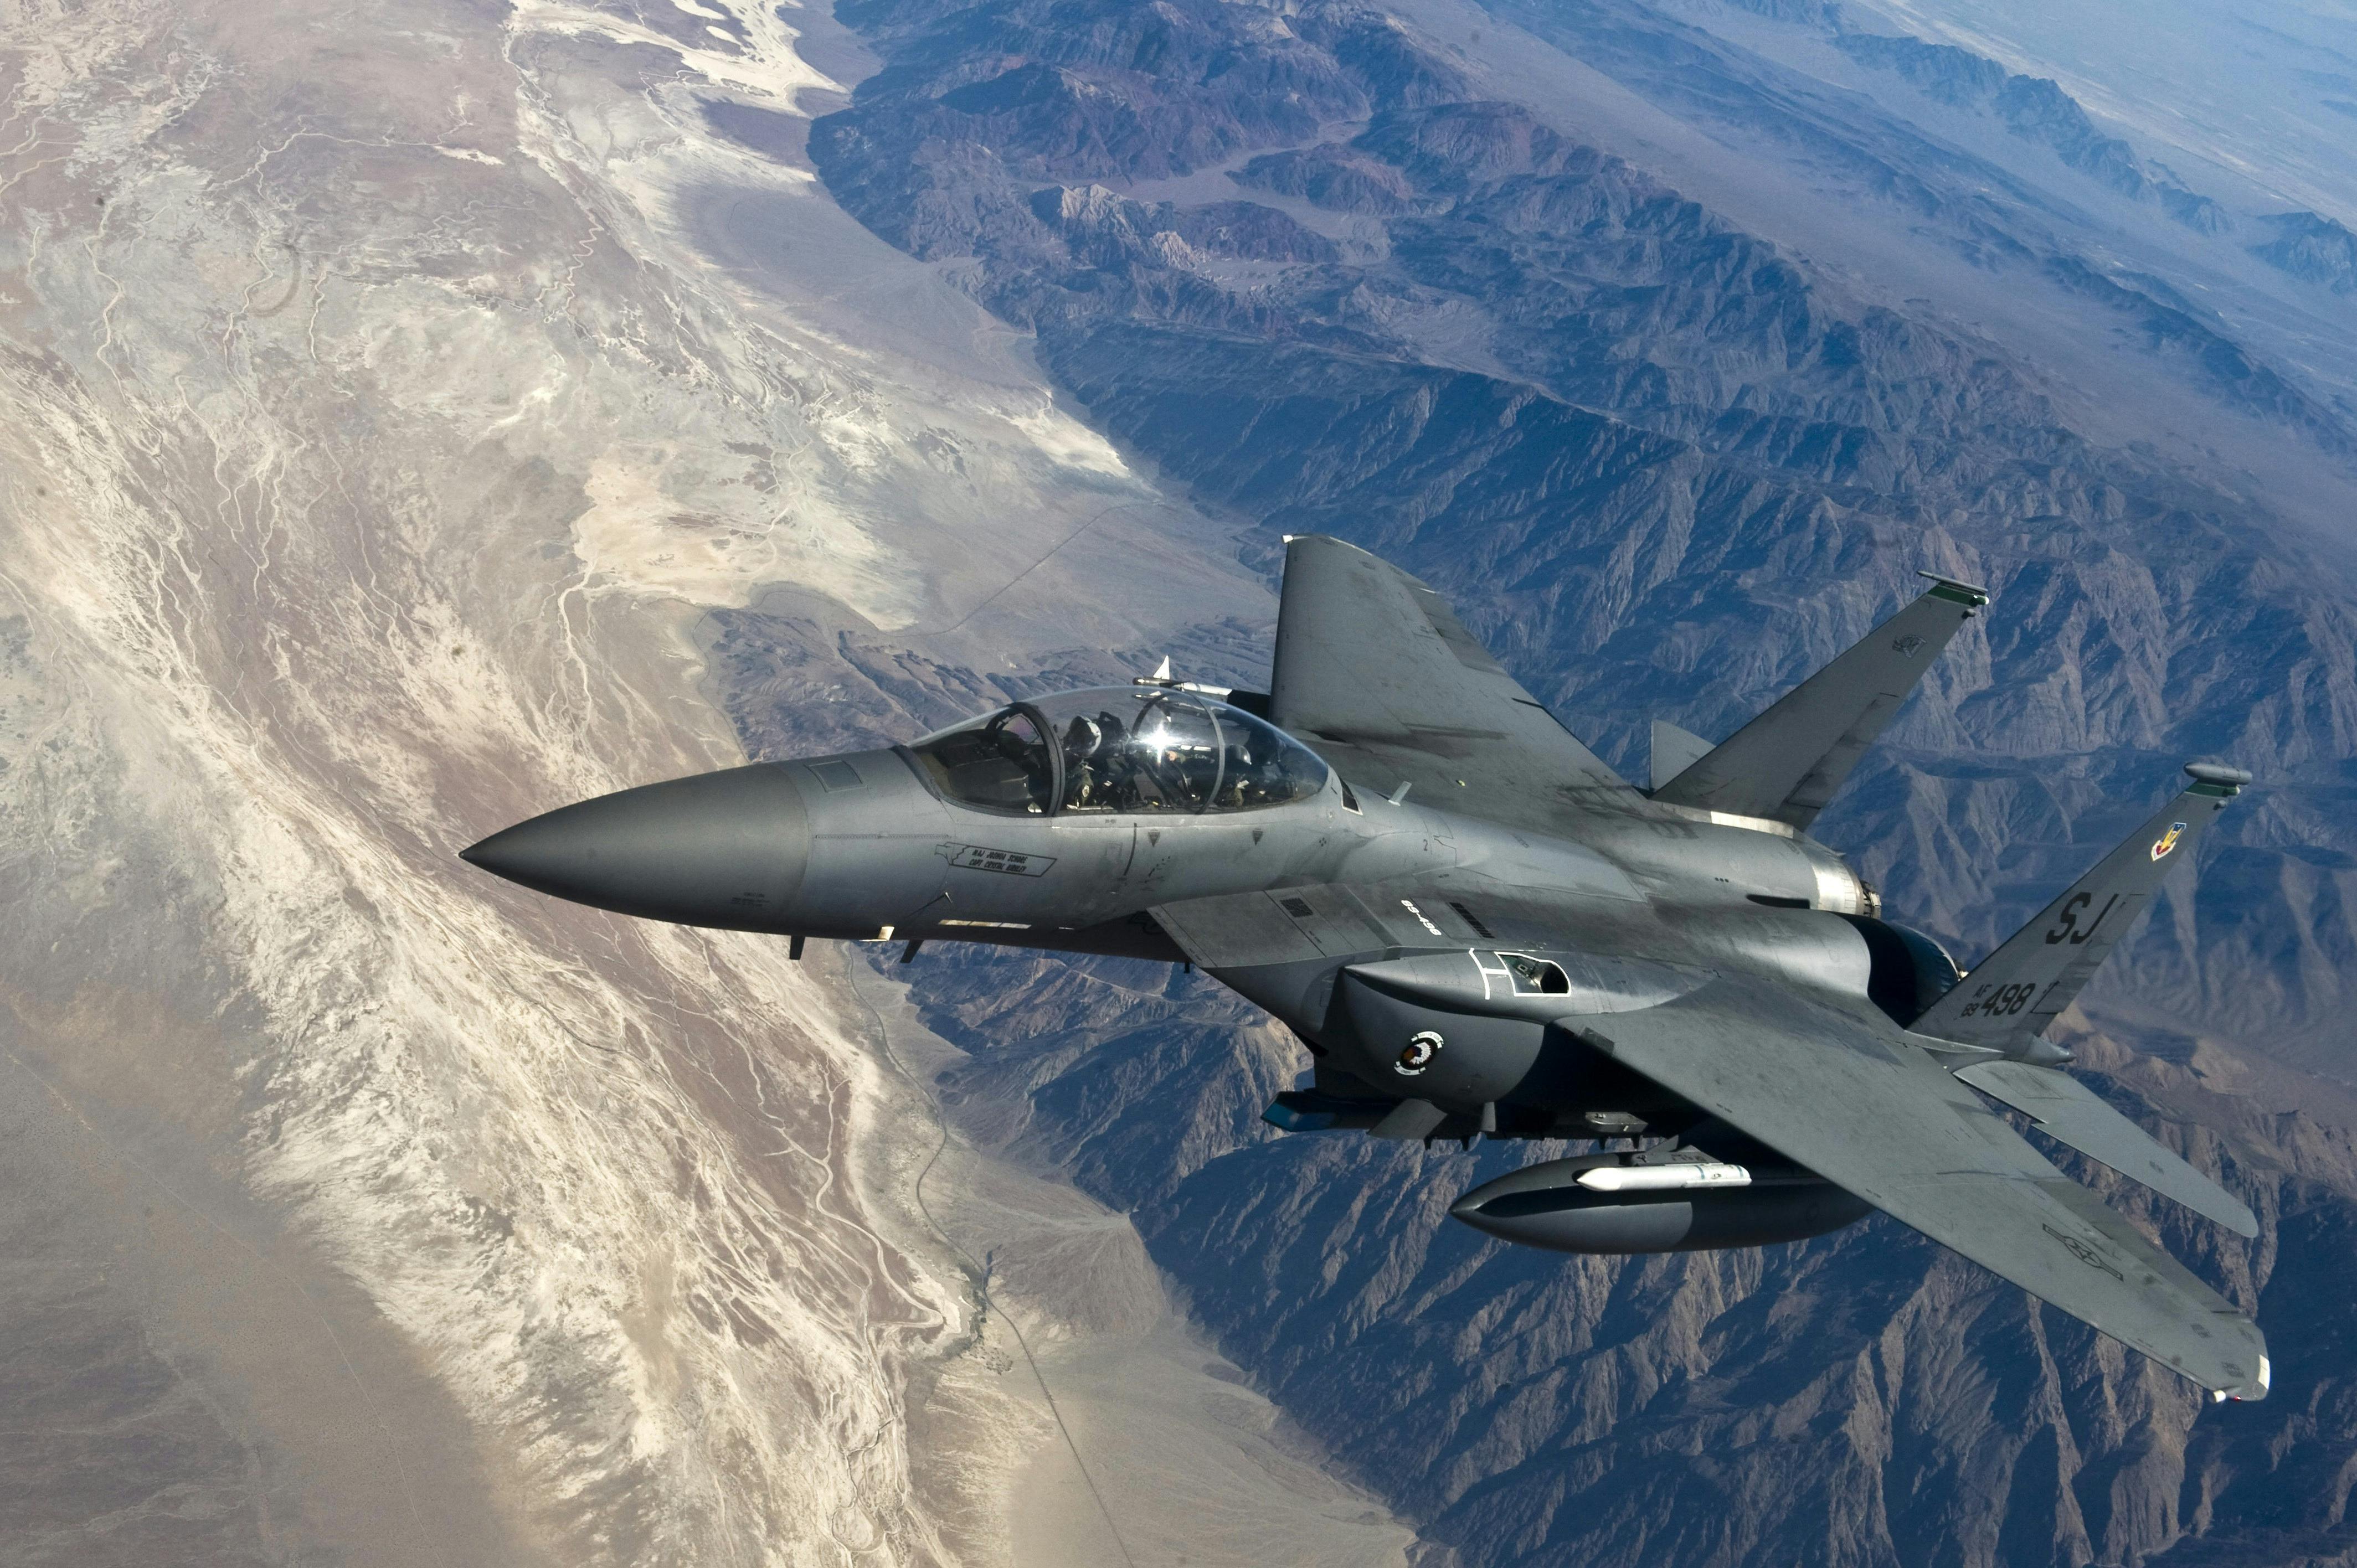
(719, 848)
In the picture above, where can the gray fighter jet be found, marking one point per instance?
(1478, 929)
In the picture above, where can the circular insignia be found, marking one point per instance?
(1421, 1050)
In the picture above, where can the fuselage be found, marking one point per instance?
(1367, 924)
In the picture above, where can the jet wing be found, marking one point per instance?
(1879, 1117)
(1375, 671)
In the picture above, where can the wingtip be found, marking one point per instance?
(1971, 595)
(2217, 773)
(2226, 1208)
(2250, 1392)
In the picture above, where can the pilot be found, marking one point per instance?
(1082, 782)
(1246, 781)
(1095, 768)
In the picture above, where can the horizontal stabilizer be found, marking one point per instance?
(1786, 763)
(2070, 1113)
(1845, 1097)
(2016, 992)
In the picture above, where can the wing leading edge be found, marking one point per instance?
(1878, 1117)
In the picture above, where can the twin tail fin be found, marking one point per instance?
(2018, 990)
(1786, 764)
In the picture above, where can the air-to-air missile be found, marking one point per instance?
(1479, 929)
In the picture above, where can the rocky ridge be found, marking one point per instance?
(2312, 246)
(2036, 108)
(1666, 464)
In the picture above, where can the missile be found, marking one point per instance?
(1662, 1178)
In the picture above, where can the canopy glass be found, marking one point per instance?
(1149, 750)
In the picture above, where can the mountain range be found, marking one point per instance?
(418, 417)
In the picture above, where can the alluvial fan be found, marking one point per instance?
(382, 409)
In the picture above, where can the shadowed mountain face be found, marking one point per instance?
(416, 416)
(1668, 343)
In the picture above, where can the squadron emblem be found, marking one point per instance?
(2167, 841)
(1421, 1050)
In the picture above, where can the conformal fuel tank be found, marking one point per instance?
(1463, 1028)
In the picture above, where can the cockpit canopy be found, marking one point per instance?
(1143, 749)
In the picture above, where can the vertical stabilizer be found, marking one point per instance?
(1675, 751)
(1786, 764)
(2016, 990)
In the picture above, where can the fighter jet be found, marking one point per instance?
(1477, 930)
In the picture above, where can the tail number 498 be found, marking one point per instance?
(2006, 1000)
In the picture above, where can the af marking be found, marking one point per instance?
(2083, 1252)
(1012, 863)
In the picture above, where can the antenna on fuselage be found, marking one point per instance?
(1163, 678)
